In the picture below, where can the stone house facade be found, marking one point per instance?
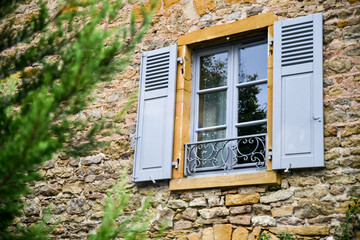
(308, 202)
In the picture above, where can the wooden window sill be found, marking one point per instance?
(270, 177)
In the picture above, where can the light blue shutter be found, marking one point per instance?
(156, 110)
(298, 138)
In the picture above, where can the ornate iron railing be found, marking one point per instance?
(225, 154)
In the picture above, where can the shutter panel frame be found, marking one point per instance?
(298, 68)
(155, 115)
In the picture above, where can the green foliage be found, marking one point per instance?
(48, 67)
(130, 228)
(285, 235)
(265, 236)
(352, 219)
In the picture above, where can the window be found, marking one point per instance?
(229, 103)
(223, 89)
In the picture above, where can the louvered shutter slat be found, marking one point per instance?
(155, 125)
(298, 94)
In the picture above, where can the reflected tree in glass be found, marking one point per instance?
(251, 106)
(213, 70)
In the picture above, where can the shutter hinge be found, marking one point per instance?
(153, 180)
(133, 137)
(288, 170)
(175, 164)
(180, 59)
(270, 154)
(271, 41)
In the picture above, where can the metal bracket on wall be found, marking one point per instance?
(133, 137)
(175, 164)
(180, 59)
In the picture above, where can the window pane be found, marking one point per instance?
(212, 109)
(213, 70)
(253, 63)
(250, 130)
(210, 135)
(252, 104)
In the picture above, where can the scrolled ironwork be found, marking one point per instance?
(225, 154)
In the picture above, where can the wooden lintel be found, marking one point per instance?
(213, 32)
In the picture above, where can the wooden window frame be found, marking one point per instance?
(204, 37)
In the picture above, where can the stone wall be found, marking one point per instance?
(309, 203)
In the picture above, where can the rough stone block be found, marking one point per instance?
(282, 211)
(313, 208)
(352, 141)
(182, 224)
(339, 65)
(240, 210)
(214, 201)
(261, 209)
(241, 199)
(190, 214)
(240, 233)
(263, 221)
(340, 179)
(302, 230)
(96, 159)
(240, 220)
(202, 221)
(198, 202)
(176, 204)
(207, 234)
(183, 238)
(214, 212)
(168, 3)
(255, 234)
(193, 236)
(303, 181)
(222, 231)
(290, 221)
(276, 196)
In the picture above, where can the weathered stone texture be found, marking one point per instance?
(180, 225)
(277, 196)
(255, 234)
(240, 233)
(313, 208)
(175, 204)
(76, 186)
(304, 230)
(190, 214)
(263, 221)
(240, 220)
(241, 199)
(198, 202)
(282, 211)
(222, 232)
(207, 234)
(240, 210)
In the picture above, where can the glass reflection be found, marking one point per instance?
(250, 130)
(253, 63)
(213, 70)
(252, 104)
(210, 135)
(212, 109)
(208, 152)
